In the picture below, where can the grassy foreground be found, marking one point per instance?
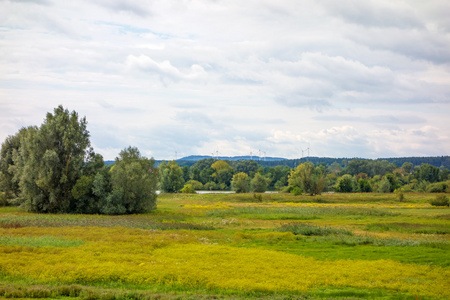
(229, 246)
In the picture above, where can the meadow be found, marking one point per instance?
(233, 246)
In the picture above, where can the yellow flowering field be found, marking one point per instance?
(330, 246)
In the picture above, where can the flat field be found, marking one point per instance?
(233, 246)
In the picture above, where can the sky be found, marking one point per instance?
(367, 79)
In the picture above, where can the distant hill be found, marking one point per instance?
(257, 158)
(437, 161)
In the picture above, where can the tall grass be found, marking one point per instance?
(299, 213)
(311, 230)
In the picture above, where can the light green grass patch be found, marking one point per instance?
(42, 241)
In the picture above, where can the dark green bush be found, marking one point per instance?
(297, 191)
(440, 200)
(437, 187)
(3, 199)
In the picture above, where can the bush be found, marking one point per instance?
(258, 197)
(385, 186)
(197, 185)
(3, 199)
(400, 194)
(345, 184)
(240, 182)
(440, 200)
(188, 189)
(438, 187)
(296, 191)
(210, 186)
(259, 183)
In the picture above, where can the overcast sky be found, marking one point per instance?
(362, 78)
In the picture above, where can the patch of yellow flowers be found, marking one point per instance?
(155, 257)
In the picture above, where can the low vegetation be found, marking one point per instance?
(233, 246)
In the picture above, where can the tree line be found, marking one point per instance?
(53, 169)
(357, 175)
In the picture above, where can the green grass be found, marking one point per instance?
(368, 227)
(409, 228)
(43, 241)
(312, 230)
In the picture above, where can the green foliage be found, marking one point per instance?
(248, 167)
(400, 194)
(211, 186)
(188, 189)
(440, 200)
(241, 183)
(297, 191)
(82, 192)
(3, 199)
(171, 178)
(437, 187)
(223, 173)
(385, 186)
(345, 184)
(113, 204)
(197, 185)
(363, 186)
(49, 161)
(259, 183)
(311, 180)
(9, 178)
(134, 177)
(427, 172)
(257, 197)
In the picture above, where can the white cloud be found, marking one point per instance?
(366, 79)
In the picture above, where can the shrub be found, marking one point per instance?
(385, 186)
(400, 194)
(259, 183)
(197, 185)
(3, 199)
(188, 189)
(240, 182)
(296, 191)
(438, 187)
(345, 184)
(210, 186)
(440, 200)
(258, 197)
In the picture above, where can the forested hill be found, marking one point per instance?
(437, 161)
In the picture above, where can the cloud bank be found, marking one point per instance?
(348, 79)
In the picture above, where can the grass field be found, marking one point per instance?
(233, 246)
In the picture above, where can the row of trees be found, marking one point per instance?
(245, 176)
(53, 169)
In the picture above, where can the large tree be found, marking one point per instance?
(309, 178)
(134, 180)
(171, 178)
(9, 182)
(50, 160)
(240, 182)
